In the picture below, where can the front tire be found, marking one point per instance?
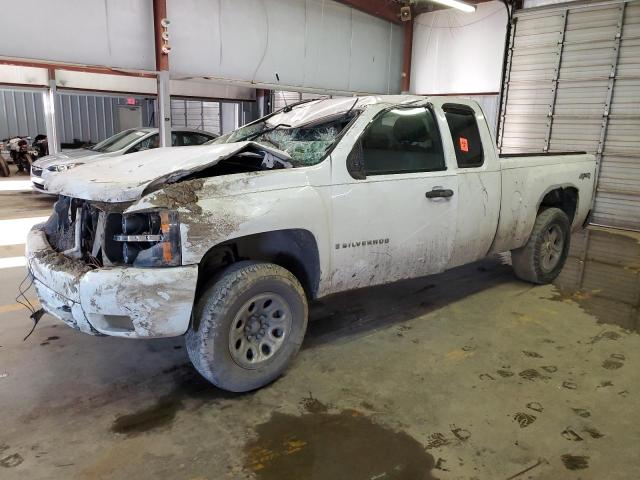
(542, 258)
(248, 325)
(4, 168)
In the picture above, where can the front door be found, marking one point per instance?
(398, 218)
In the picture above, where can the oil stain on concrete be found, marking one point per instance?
(189, 390)
(319, 445)
(160, 414)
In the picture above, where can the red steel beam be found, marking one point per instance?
(75, 68)
(160, 12)
(385, 9)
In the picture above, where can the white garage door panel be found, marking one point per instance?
(586, 60)
(617, 210)
(573, 83)
(575, 133)
(626, 97)
(620, 174)
(581, 98)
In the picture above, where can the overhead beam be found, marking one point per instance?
(74, 68)
(384, 9)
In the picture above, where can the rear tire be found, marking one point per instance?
(248, 325)
(4, 168)
(542, 258)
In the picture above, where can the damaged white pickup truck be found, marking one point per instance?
(227, 242)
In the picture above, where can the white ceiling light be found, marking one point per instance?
(465, 7)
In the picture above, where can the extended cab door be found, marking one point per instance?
(479, 185)
(394, 199)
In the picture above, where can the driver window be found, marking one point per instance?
(402, 140)
(146, 144)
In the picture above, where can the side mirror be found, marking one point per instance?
(355, 162)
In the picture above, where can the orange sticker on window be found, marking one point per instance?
(464, 144)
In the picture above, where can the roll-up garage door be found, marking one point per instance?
(282, 98)
(198, 114)
(573, 83)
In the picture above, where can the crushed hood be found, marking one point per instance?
(125, 178)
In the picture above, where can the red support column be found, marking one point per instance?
(160, 12)
(405, 81)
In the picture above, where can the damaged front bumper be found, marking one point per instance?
(117, 301)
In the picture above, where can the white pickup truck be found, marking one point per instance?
(228, 242)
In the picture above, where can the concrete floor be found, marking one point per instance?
(467, 375)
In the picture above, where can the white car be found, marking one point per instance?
(127, 141)
(228, 242)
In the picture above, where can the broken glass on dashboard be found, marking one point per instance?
(306, 145)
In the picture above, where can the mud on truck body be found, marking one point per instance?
(227, 243)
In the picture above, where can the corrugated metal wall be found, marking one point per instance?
(94, 117)
(91, 118)
(86, 117)
(21, 113)
(573, 83)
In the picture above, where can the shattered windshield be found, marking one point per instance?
(306, 145)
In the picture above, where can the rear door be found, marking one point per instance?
(394, 212)
(479, 186)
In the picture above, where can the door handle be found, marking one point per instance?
(439, 193)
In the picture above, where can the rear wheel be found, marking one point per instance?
(249, 323)
(542, 258)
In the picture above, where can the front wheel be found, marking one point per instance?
(4, 168)
(248, 325)
(24, 163)
(542, 258)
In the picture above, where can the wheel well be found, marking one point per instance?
(294, 249)
(566, 199)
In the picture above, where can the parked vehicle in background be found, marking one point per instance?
(40, 146)
(228, 242)
(125, 142)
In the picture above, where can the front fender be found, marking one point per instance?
(218, 210)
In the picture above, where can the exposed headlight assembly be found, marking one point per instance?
(64, 167)
(150, 239)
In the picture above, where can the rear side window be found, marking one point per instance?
(402, 140)
(194, 139)
(465, 134)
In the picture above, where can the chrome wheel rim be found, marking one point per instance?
(259, 330)
(551, 248)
